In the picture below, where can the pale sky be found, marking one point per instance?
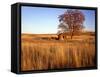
(39, 20)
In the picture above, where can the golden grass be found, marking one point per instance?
(55, 54)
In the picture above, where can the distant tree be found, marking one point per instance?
(71, 21)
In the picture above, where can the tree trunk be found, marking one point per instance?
(72, 34)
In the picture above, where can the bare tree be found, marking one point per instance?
(71, 21)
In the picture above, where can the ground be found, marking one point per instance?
(46, 51)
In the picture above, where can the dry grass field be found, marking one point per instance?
(44, 51)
